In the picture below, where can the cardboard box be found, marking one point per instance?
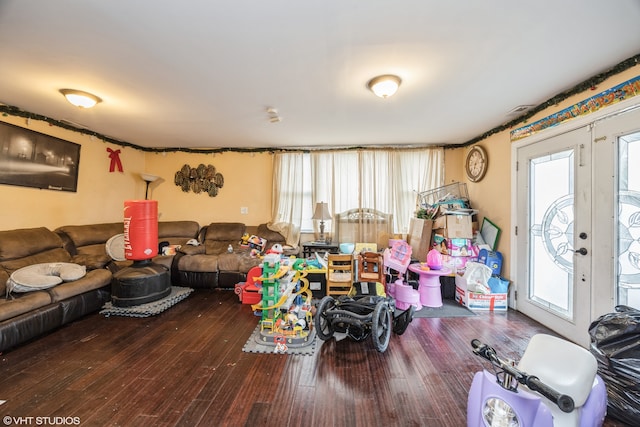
(455, 226)
(480, 302)
(419, 238)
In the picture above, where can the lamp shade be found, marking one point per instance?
(148, 177)
(321, 212)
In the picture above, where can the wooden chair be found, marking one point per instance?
(339, 274)
(370, 268)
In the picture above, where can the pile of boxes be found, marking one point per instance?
(453, 237)
(452, 230)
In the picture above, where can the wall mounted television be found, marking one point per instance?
(33, 159)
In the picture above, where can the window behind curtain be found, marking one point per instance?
(385, 180)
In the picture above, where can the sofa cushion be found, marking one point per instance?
(4, 277)
(51, 255)
(225, 231)
(42, 276)
(229, 262)
(94, 279)
(24, 303)
(178, 230)
(91, 234)
(25, 242)
(219, 247)
(247, 262)
(198, 263)
(271, 236)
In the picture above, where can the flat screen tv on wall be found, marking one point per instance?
(33, 159)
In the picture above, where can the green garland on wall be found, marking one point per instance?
(8, 110)
(582, 87)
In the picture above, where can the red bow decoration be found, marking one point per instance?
(115, 160)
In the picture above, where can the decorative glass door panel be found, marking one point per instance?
(628, 271)
(551, 231)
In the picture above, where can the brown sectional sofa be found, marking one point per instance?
(87, 242)
(210, 265)
(24, 316)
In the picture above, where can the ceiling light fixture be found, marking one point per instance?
(79, 98)
(384, 86)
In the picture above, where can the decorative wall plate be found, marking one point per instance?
(201, 179)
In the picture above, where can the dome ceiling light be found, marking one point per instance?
(384, 86)
(79, 98)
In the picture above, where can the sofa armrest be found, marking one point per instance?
(92, 262)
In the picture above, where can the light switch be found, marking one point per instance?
(244, 210)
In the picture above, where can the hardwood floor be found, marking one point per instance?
(186, 367)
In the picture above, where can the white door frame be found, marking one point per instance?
(599, 296)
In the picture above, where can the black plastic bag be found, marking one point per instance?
(615, 342)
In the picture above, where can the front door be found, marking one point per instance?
(553, 283)
(616, 271)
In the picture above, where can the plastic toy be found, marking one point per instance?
(285, 305)
(249, 292)
(397, 258)
(562, 387)
(434, 259)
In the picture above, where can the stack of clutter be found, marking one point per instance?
(453, 223)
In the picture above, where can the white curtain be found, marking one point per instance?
(385, 180)
(288, 195)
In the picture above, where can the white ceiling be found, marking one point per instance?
(201, 73)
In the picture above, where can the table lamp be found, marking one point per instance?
(321, 213)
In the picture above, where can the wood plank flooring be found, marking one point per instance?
(186, 367)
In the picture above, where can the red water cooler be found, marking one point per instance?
(144, 281)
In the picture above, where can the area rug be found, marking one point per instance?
(177, 294)
(450, 308)
(255, 344)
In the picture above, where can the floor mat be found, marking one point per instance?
(450, 308)
(261, 343)
(149, 309)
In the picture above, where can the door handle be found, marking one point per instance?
(581, 251)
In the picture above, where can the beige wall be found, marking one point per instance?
(247, 183)
(101, 194)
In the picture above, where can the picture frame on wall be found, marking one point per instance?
(33, 159)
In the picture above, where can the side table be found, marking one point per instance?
(310, 248)
(429, 284)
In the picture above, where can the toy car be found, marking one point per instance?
(361, 317)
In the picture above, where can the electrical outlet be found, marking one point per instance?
(244, 210)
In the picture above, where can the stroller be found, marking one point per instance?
(364, 312)
(360, 317)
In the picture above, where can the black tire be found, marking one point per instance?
(381, 327)
(401, 322)
(324, 328)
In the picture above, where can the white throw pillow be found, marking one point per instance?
(43, 276)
